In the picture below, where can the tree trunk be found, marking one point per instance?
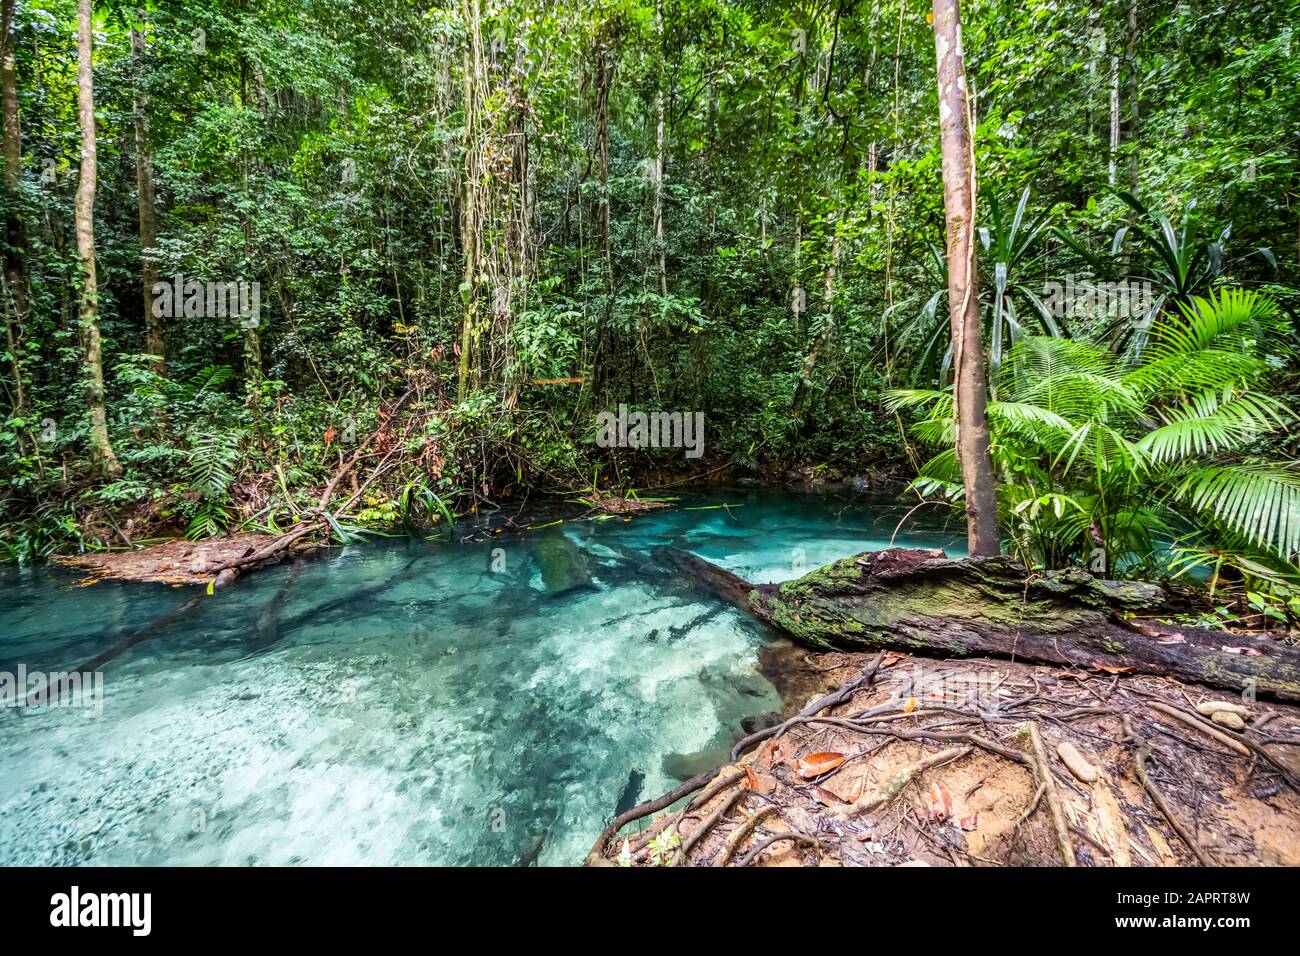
(101, 451)
(155, 340)
(472, 211)
(660, 242)
(920, 601)
(15, 267)
(1112, 172)
(1134, 104)
(963, 301)
(827, 333)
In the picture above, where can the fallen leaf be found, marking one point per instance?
(1247, 651)
(969, 823)
(1111, 670)
(825, 797)
(855, 791)
(824, 761)
(758, 782)
(940, 802)
(1173, 639)
(891, 658)
(910, 705)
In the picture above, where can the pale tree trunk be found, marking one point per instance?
(252, 334)
(155, 340)
(963, 301)
(828, 328)
(1134, 100)
(660, 244)
(471, 205)
(604, 81)
(1113, 171)
(15, 270)
(101, 451)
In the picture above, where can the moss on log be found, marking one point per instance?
(921, 601)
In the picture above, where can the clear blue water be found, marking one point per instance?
(400, 702)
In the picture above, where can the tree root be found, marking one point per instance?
(894, 787)
(596, 856)
(1202, 726)
(803, 838)
(1047, 783)
(738, 835)
(707, 824)
(833, 699)
(1142, 753)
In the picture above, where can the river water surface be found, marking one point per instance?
(402, 702)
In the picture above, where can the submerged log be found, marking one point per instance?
(921, 601)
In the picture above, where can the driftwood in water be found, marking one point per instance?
(924, 602)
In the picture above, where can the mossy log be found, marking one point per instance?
(921, 601)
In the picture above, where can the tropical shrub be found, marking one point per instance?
(1146, 467)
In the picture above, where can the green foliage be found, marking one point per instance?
(1103, 462)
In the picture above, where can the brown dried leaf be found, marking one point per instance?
(940, 807)
(824, 761)
(826, 798)
(855, 792)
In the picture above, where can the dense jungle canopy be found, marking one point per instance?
(243, 237)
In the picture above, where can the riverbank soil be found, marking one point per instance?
(980, 762)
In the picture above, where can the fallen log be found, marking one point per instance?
(921, 601)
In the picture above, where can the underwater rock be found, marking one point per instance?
(685, 766)
(631, 793)
(756, 722)
(563, 566)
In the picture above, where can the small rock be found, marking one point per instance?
(1208, 708)
(1076, 763)
(756, 722)
(1229, 719)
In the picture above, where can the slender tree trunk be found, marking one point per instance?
(963, 301)
(471, 206)
(15, 266)
(1134, 100)
(827, 333)
(101, 451)
(155, 340)
(252, 334)
(1113, 169)
(604, 80)
(660, 244)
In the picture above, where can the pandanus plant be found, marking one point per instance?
(1139, 465)
(1009, 256)
(1179, 264)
